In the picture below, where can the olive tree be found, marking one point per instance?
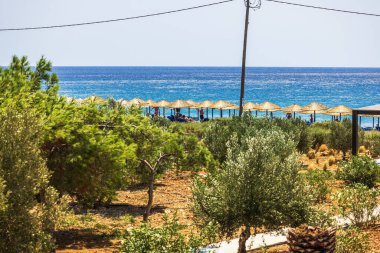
(29, 207)
(258, 186)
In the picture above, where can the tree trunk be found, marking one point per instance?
(244, 236)
(150, 196)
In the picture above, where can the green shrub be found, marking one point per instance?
(29, 207)
(318, 136)
(363, 170)
(168, 239)
(357, 204)
(352, 240)
(258, 185)
(317, 184)
(372, 142)
(341, 136)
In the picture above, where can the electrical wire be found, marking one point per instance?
(324, 8)
(115, 20)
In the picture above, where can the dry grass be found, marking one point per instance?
(99, 230)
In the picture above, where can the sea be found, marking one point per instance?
(353, 87)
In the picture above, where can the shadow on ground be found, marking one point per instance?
(82, 238)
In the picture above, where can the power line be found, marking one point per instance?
(115, 20)
(324, 8)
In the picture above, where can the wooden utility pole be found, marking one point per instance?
(248, 6)
(242, 84)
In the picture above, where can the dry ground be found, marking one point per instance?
(99, 230)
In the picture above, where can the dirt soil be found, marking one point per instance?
(100, 230)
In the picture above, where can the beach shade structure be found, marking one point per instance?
(220, 105)
(149, 104)
(79, 101)
(205, 104)
(178, 104)
(193, 105)
(294, 108)
(251, 107)
(232, 107)
(314, 108)
(94, 100)
(340, 110)
(269, 107)
(124, 103)
(137, 102)
(163, 103)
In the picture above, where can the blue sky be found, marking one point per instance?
(279, 35)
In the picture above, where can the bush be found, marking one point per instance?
(357, 204)
(352, 240)
(259, 185)
(311, 154)
(168, 239)
(361, 170)
(318, 135)
(88, 162)
(29, 207)
(323, 148)
(372, 141)
(317, 184)
(341, 136)
(332, 160)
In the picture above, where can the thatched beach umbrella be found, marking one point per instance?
(206, 104)
(269, 107)
(340, 110)
(220, 105)
(233, 107)
(124, 102)
(314, 108)
(251, 107)
(164, 104)
(292, 109)
(137, 102)
(193, 105)
(94, 100)
(179, 104)
(149, 103)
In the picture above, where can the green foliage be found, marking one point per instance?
(166, 239)
(259, 185)
(371, 140)
(29, 207)
(341, 136)
(318, 135)
(352, 240)
(219, 132)
(321, 216)
(317, 184)
(363, 170)
(87, 160)
(357, 203)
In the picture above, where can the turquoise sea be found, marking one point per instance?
(353, 87)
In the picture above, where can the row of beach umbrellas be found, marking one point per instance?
(312, 108)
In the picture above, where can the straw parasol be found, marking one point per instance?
(95, 100)
(163, 103)
(124, 102)
(269, 107)
(137, 102)
(250, 106)
(340, 110)
(314, 108)
(292, 109)
(149, 103)
(193, 105)
(206, 104)
(232, 107)
(220, 105)
(179, 104)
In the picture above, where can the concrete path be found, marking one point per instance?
(261, 240)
